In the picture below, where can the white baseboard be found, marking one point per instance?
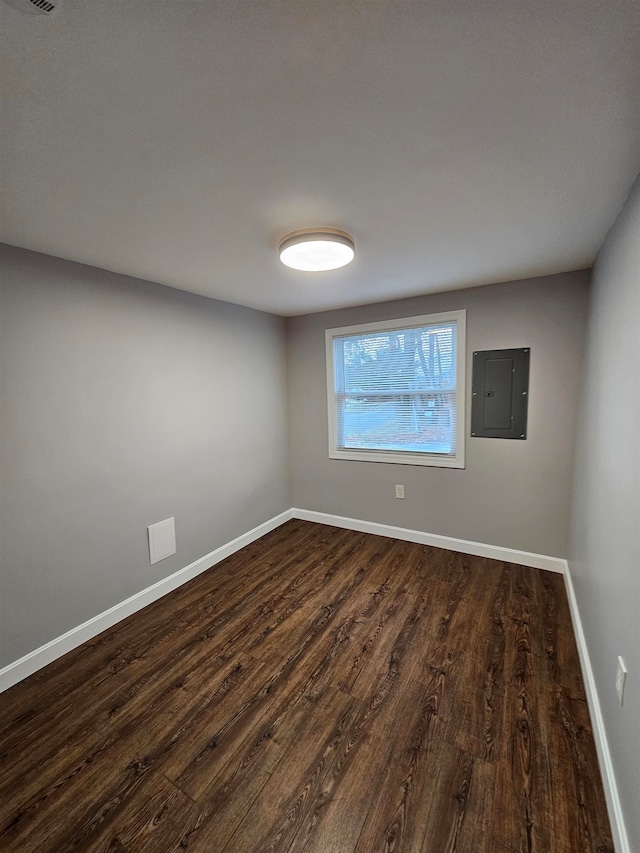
(32, 662)
(478, 549)
(35, 660)
(614, 807)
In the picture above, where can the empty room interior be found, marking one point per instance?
(319, 445)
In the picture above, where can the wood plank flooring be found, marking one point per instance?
(320, 690)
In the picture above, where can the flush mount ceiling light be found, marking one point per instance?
(317, 249)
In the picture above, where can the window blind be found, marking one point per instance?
(396, 390)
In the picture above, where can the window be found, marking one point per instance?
(396, 391)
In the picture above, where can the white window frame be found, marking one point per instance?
(406, 457)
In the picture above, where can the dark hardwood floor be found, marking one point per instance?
(320, 690)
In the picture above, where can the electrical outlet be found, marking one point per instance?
(621, 679)
(400, 492)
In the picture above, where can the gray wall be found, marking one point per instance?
(512, 493)
(605, 534)
(124, 403)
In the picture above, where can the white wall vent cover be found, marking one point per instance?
(162, 540)
(34, 7)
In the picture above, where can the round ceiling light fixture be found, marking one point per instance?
(317, 249)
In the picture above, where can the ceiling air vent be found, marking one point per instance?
(34, 7)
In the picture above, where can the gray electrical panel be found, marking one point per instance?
(500, 393)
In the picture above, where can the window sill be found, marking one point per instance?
(424, 459)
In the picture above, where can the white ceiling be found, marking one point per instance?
(460, 142)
